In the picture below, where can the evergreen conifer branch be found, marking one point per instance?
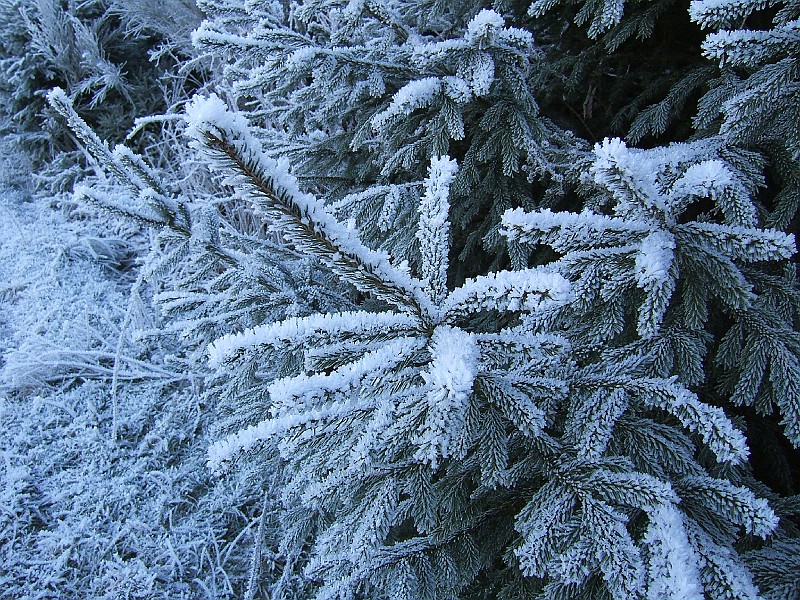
(755, 97)
(393, 406)
(299, 217)
(434, 229)
(718, 572)
(309, 331)
(98, 149)
(129, 170)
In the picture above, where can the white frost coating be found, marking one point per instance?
(353, 9)
(296, 330)
(434, 227)
(448, 380)
(488, 26)
(307, 389)
(377, 85)
(528, 290)
(300, 58)
(202, 112)
(482, 25)
(514, 36)
(723, 13)
(224, 450)
(204, 36)
(628, 174)
(723, 558)
(701, 179)
(672, 568)
(743, 507)
(596, 421)
(727, 443)
(424, 53)
(652, 269)
(610, 16)
(654, 259)
(539, 7)
(762, 520)
(211, 115)
(485, 30)
(409, 98)
(457, 89)
(712, 179)
(634, 177)
(748, 244)
(478, 70)
(586, 226)
(739, 48)
(286, 391)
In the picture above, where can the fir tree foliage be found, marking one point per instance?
(683, 268)
(204, 255)
(760, 72)
(358, 95)
(422, 443)
(752, 102)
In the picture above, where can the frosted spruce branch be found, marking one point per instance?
(154, 206)
(434, 229)
(128, 169)
(313, 330)
(644, 244)
(225, 138)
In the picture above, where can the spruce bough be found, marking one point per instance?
(456, 440)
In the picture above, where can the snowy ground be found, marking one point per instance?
(84, 515)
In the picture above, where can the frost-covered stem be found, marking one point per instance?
(304, 231)
(128, 168)
(255, 565)
(118, 354)
(98, 150)
(711, 423)
(139, 123)
(434, 227)
(56, 366)
(132, 172)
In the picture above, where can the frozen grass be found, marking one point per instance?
(83, 515)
